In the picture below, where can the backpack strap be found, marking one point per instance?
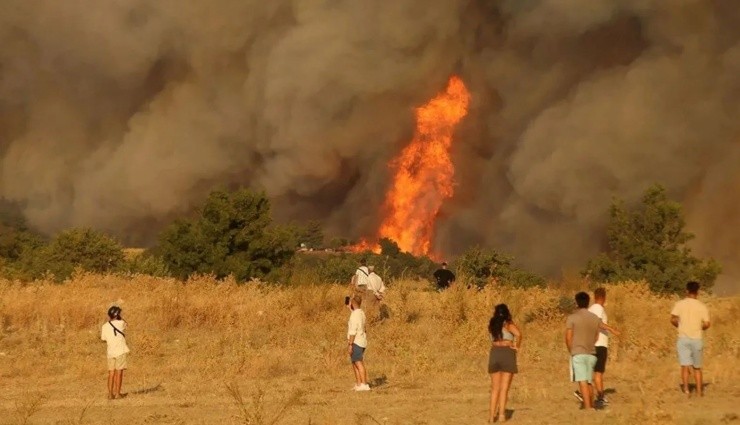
(363, 271)
(116, 331)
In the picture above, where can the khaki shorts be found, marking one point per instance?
(118, 363)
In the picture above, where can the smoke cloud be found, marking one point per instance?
(123, 115)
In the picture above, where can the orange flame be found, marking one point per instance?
(424, 172)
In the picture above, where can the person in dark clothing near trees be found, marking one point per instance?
(444, 277)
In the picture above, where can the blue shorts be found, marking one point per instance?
(357, 353)
(582, 367)
(689, 351)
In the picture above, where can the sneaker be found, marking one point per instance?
(363, 387)
(578, 395)
(599, 404)
(603, 400)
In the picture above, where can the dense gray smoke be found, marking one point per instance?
(122, 115)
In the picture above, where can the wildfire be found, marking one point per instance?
(423, 173)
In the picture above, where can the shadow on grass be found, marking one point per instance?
(147, 390)
(692, 387)
(379, 381)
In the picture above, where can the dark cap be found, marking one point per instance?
(114, 311)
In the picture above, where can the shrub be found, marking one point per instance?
(648, 242)
(481, 267)
(87, 249)
(231, 235)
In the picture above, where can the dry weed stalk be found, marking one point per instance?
(28, 406)
(254, 413)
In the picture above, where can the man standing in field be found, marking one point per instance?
(112, 333)
(602, 344)
(361, 278)
(691, 317)
(444, 277)
(357, 343)
(374, 296)
(582, 331)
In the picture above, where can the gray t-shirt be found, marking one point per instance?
(585, 327)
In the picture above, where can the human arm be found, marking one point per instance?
(603, 326)
(514, 329)
(352, 329)
(674, 320)
(350, 341)
(705, 323)
(569, 338)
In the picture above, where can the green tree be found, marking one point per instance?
(232, 234)
(88, 249)
(483, 266)
(389, 247)
(648, 242)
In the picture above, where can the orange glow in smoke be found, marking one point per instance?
(423, 172)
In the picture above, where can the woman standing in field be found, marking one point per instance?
(506, 340)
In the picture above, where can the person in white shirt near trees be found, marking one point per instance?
(357, 342)
(358, 284)
(113, 334)
(374, 297)
(691, 317)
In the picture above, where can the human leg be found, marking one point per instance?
(685, 372)
(111, 380)
(697, 351)
(495, 392)
(118, 382)
(506, 378)
(583, 370)
(599, 370)
(685, 359)
(698, 378)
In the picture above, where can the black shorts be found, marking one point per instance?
(601, 355)
(502, 359)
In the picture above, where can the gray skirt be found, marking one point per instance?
(502, 359)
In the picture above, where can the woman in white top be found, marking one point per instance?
(113, 333)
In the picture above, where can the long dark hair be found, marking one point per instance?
(501, 315)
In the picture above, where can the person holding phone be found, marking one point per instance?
(357, 342)
(113, 334)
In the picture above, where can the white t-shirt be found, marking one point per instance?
(600, 312)
(361, 276)
(116, 341)
(375, 284)
(356, 327)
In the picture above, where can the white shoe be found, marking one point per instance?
(363, 387)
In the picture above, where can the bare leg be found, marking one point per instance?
(111, 378)
(698, 379)
(117, 382)
(361, 373)
(599, 384)
(685, 378)
(506, 379)
(588, 402)
(356, 371)
(495, 392)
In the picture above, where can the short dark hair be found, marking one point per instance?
(600, 293)
(582, 299)
(444, 263)
(692, 287)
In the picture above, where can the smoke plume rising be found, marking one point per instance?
(123, 115)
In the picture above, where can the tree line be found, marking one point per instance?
(233, 234)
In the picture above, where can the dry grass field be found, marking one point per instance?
(219, 353)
